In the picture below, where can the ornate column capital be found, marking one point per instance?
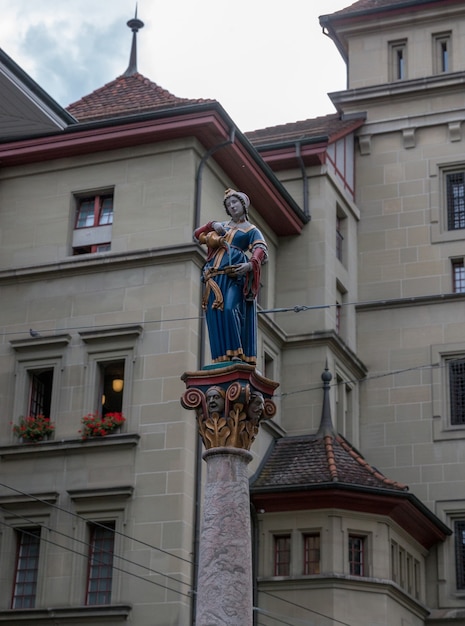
(230, 402)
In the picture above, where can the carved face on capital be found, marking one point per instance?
(215, 401)
(256, 406)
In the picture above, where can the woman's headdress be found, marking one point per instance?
(243, 197)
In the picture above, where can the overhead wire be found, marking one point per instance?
(88, 545)
(296, 308)
(267, 614)
(99, 524)
(305, 608)
(153, 582)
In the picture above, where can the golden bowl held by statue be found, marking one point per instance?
(211, 239)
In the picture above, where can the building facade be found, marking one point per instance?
(357, 488)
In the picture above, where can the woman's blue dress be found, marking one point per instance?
(229, 302)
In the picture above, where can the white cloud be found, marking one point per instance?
(265, 61)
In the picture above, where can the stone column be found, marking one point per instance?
(224, 596)
(230, 402)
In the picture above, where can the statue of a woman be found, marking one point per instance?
(232, 278)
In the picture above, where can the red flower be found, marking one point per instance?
(34, 428)
(100, 426)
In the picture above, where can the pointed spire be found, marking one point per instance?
(326, 424)
(135, 25)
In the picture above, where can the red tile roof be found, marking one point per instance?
(330, 127)
(309, 460)
(327, 457)
(123, 96)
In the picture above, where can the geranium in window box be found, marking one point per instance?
(34, 428)
(95, 425)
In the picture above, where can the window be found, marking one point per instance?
(111, 386)
(459, 534)
(398, 60)
(339, 238)
(458, 275)
(455, 200)
(341, 298)
(110, 359)
(40, 392)
(312, 553)
(282, 555)
(356, 555)
(441, 53)
(93, 220)
(27, 566)
(341, 234)
(456, 369)
(100, 572)
(344, 408)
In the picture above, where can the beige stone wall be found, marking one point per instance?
(333, 593)
(369, 48)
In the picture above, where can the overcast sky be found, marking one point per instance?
(266, 61)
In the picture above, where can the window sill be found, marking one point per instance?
(69, 446)
(117, 613)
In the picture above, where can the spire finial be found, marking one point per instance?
(326, 424)
(135, 25)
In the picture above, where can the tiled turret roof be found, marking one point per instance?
(312, 460)
(124, 96)
(327, 457)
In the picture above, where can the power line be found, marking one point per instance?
(300, 606)
(297, 308)
(271, 616)
(153, 582)
(87, 544)
(59, 508)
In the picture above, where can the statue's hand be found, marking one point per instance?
(219, 228)
(242, 268)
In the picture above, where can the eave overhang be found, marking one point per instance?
(287, 155)
(208, 123)
(402, 507)
(310, 150)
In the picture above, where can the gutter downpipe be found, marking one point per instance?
(201, 361)
(298, 153)
(198, 176)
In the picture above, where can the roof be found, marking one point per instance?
(25, 108)
(325, 471)
(328, 128)
(325, 457)
(124, 96)
(363, 6)
(314, 460)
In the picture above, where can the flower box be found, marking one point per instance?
(95, 425)
(33, 428)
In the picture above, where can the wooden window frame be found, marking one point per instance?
(93, 221)
(282, 554)
(312, 553)
(26, 573)
(357, 554)
(100, 563)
